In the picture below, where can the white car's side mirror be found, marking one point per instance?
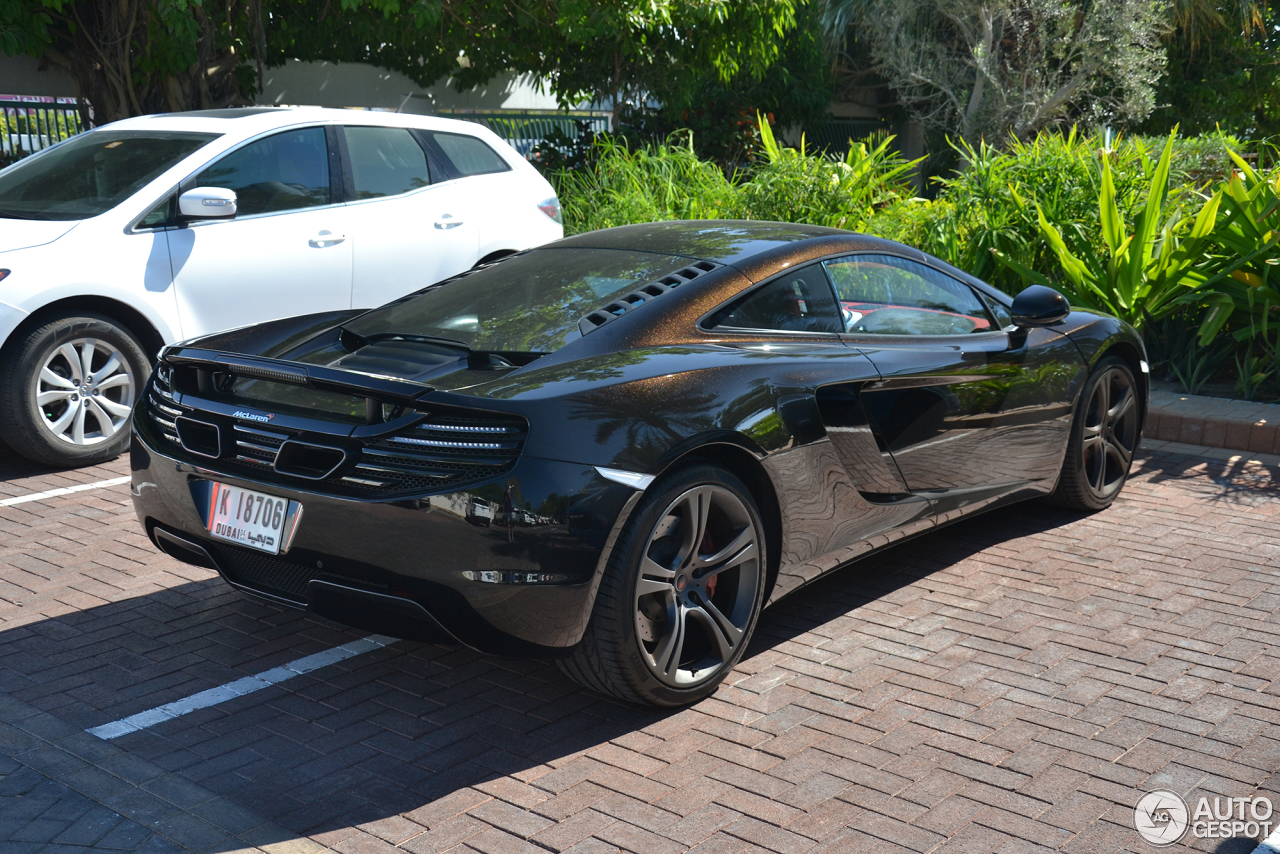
(207, 203)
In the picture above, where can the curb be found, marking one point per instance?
(1215, 422)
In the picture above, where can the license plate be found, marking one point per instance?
(247, 518)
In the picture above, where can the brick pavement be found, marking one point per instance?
(1008, 684)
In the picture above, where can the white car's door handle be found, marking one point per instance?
(446, 222)
(326, 238)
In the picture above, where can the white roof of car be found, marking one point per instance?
(248, 121)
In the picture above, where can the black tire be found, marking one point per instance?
(1105, 433)
(681, 619)
(27, 426)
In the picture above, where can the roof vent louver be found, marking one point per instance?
(646, 293)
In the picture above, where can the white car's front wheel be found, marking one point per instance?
(67, 389)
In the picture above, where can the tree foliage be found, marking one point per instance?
(131, 57)
(1224, 70)
(138, 56)
(991, 67)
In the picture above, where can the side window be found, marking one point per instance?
(284, 172)
(887, 295)
(385, 161)
(158, 217)
(469, 155)
(800, 301)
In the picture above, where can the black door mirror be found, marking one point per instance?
(1039, 306)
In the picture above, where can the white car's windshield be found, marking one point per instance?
(91, 173)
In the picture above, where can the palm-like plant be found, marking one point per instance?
(1138, 275)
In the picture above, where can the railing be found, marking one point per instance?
(834, 135)
(523, 131)
(29, 123)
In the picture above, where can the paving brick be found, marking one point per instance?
(1008, 683)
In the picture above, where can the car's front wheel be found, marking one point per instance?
(680, 594)
(1104, 437)
(66, 390)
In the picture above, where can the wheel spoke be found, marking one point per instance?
(73, 362)
(667, 655)
(77, 428)
(112, 382)
(119, 410)
(646, 586)
(112, 365)
(726, 635)
(46, 397)
(745, 552)
(1121, 409)
(1099, 476)
(64, 420)
(1120, 452)
(105, 424)
(697, 505)
(48, 376)
(86, 358)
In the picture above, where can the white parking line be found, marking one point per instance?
(66, 490)
(240, 687)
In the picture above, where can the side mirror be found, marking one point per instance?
(1039, 306)
(207, 203)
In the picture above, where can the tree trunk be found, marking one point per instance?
(130, 62)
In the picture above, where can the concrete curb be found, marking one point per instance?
(1215, 422)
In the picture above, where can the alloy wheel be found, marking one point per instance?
(699, 576)
(1110, 433)
(85, 391)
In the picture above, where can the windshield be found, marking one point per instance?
(91, 173)
(529, 303)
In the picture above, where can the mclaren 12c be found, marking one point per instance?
(616, 449)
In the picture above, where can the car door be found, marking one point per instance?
(414, 225)
(288, 250)
(968, 406)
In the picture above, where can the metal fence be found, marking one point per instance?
(523, 131)
(29, 123)
(834, 135)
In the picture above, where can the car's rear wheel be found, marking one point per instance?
(1104, 437)
(67, 389)
(680, 594)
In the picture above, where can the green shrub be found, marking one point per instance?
(619, 186)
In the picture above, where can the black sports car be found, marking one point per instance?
(617, 448)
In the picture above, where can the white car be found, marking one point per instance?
(160, 228)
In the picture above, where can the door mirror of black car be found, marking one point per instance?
(1039, 306)
(207, 203)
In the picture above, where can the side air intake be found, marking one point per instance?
(640, 296)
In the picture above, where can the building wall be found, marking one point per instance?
(22, 75)
(355, 84)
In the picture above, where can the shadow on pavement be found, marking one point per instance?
(390, 731)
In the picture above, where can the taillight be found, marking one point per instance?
(4, 273)
(551, 207)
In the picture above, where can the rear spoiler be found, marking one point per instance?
(376, 390)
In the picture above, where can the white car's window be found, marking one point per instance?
(887, 295)
(91, 173)
(385, 161)
(468, 155)
(284, 172)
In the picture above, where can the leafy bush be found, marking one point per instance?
(1159, 232)
(617, 185)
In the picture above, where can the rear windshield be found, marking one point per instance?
(529, 303)
(91, 173)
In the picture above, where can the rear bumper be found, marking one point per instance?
(423, 568)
